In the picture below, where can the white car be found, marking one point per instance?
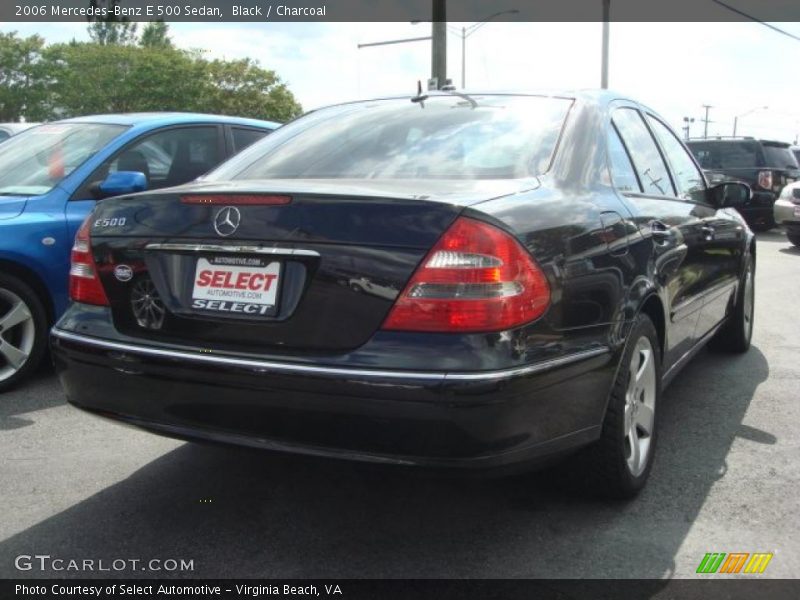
(787, 211)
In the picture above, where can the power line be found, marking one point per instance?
(756, 20)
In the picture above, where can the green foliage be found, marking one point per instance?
(23, 78)
(73, 79)
(111, 30)
(93, 78)
(155, 35)
(241, 87)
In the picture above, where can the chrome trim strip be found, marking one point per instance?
(234, 249)
(431, 376)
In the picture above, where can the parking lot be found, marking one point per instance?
(726, 479)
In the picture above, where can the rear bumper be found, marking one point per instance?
(441, 419)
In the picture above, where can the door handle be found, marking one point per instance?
(708, 232)
(660, 231)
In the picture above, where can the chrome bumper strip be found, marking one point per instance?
(282, 367)
(232, 249)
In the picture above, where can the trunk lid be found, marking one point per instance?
(317, 271)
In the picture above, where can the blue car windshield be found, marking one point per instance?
(442, 137)
(35, 161)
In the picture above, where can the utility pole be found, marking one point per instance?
(708, 107)
(463, 57)
(606, 32)
(688, 121)
(749, 112)
(439, 43)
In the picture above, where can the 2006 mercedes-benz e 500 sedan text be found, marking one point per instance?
(448, 280)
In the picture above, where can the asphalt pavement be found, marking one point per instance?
(726, 479)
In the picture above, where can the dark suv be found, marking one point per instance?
(766, 166)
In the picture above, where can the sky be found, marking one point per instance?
(674, 68)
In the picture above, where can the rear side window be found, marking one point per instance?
(644, 153)
(170, 157)
(688, 177)
(623, 174)
(242, 138)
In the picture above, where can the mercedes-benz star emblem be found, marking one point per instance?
(227, 221)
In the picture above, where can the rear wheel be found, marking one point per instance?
(617, 465)
(23, 331)
(794, 238)
(736, 334)
(762, 224)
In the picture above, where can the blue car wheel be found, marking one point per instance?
(23, 330)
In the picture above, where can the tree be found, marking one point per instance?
(111, 30)
(77, 78)
(242, 87)
(94, 78)
(155, 35)
(23, 78)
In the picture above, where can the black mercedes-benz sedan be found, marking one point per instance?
(451, 280)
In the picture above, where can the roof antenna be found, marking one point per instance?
(420, 97)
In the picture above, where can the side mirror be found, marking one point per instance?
(730, 193)
(121, 182)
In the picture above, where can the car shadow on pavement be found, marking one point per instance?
(242, 513)
(29, 396)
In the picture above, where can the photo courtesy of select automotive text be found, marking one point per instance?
(400, 299)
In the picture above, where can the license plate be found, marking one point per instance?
(797, 212)
(236, 285)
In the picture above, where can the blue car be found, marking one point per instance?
(52, 175)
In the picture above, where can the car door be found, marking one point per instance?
(671, 224)
(719, 252)
(167, 157)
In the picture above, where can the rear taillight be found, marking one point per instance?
(477, 278)
(84, 283)
(765, 179)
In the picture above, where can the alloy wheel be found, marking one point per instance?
(749, 296)
(640, 406)
(17, 333)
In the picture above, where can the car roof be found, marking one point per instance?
(730, 140)
(167, 118)
(591, 96)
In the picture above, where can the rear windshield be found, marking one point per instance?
(443, 137)
(727, 155)
(743, 154)
(779, 157)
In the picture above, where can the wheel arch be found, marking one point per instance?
(653, 307)
(34, 280)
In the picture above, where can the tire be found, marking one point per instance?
(794, 238)
(609, 468)
(23, 331)
(736, 334)
(762, 227)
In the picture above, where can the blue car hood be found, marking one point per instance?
(12, 206)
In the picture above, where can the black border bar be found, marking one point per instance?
(740, 588)
(260, 11)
